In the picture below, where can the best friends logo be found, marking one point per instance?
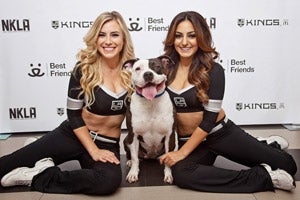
(150, 24)
(158, 24)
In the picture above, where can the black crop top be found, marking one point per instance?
(106, 102)
(186, 99)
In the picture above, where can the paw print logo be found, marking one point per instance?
(134, 26)
(36, 71)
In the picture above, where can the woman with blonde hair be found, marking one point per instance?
(97, 92)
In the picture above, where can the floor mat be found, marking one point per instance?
(151, 172)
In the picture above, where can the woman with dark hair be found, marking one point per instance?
(196, 86)
(96, 109)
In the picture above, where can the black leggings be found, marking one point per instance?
(198, 173)
(62, 145)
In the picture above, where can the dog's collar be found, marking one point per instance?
(158, 95)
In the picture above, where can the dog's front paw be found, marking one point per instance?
(168, 175)
(128, 163)
(168, 179)
(132, 175)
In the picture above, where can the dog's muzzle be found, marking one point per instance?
(148, 77)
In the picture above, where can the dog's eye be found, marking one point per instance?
(157, 69)
(137, 69)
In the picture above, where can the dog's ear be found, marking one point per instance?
(166, 61)
(129, 64)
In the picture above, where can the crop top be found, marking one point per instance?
(106, 102)
(186, 100)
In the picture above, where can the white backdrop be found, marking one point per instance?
(257, 41)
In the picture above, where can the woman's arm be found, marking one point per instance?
(172, 158)
(216, 94)
(196, 138)
(75, 105)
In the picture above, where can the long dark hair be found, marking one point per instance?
(203, 59)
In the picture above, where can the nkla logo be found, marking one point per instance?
(15, 25)
(23, 113)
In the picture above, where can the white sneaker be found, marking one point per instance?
(280, 178)
(283, 143)
(24, 175)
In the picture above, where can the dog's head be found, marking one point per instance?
(147, 75)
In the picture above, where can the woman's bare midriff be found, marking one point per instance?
(103, 125)
(188, 122)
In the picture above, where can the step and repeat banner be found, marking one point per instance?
(258, 43)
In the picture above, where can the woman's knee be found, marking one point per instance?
(284, 161)
(290, 165)
(107, 183)
(180, 175)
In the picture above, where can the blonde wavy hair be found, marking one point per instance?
(89, 58)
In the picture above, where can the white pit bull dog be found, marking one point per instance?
(150, 116)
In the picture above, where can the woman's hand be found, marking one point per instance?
(104, 156)
(171, 158)
(97, 154)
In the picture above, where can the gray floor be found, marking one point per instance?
(157, 191)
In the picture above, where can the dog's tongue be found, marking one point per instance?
(149, 92)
